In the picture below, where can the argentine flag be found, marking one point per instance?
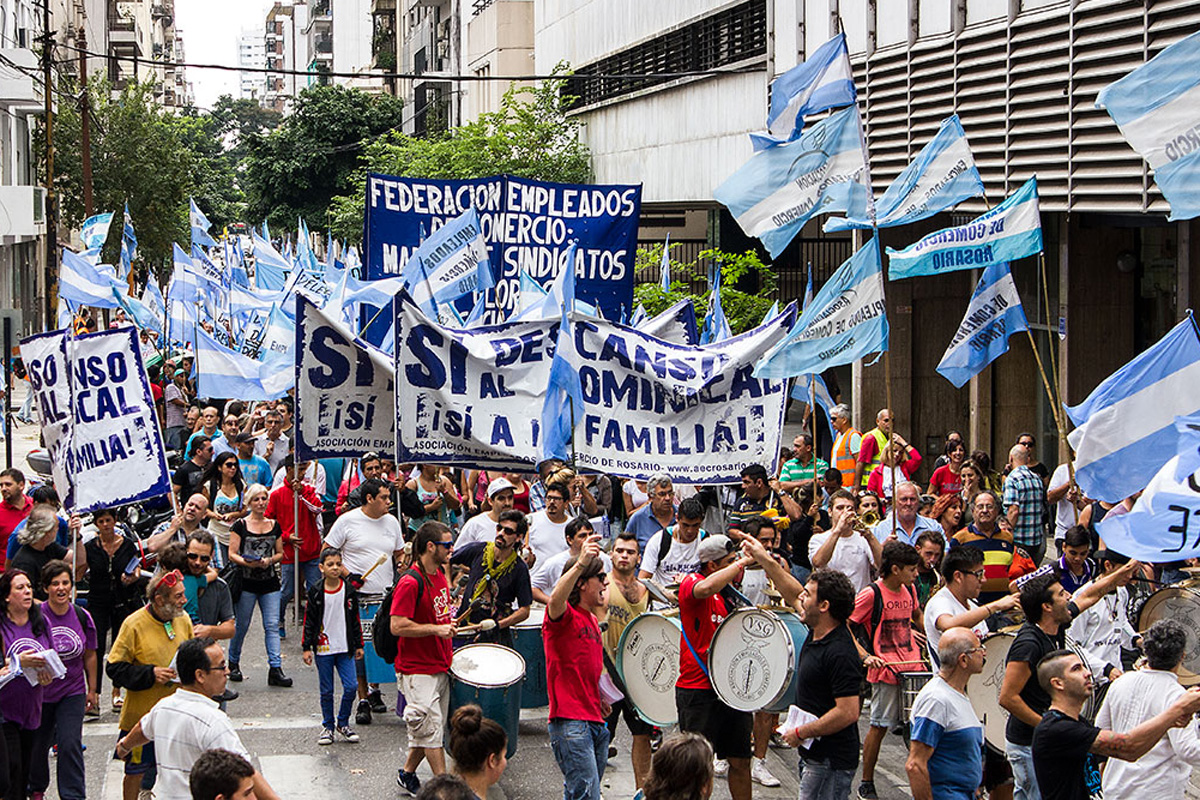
(1157, 108)
(1126, 427)
(846, 321)
(271, 270)
(1158, 527)
(200, 226)
(451, 263)
(804, 386)
(781, 188)
(94, 230)
(86, 284)
(941, 176)
(224, 373)
(822, 82)
(1010, 231)
(994, 314)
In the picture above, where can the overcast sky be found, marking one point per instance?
(210, 32)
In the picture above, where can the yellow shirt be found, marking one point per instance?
(143, 640)
(620, 613)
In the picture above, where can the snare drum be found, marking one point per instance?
(1182, 604)
(647, 661)
(754, 659)
(377, 670)
(911, 684)
(527, 640)
(984, 689)
(489, 675)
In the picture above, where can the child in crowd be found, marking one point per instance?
(333, 633)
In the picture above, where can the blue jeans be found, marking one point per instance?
(581, 750)
(310, 574)
(819, 781)
(244, 609)
(1020, 756)
(343, 663)
(62, 722)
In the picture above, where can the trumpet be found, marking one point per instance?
(871, 518)
(862, 524)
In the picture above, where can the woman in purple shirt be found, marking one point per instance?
(64, 701)
(23, 634)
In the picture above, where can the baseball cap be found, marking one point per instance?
(497, 486)
(243, 437)
(714, 548)
(179, 372)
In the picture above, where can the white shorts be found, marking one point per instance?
(427, 706)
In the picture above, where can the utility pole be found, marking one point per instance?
(85, 123)
(51, 211)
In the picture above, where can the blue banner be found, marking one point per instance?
(528, 225)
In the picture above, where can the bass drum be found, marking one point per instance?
(1182, 604)
(648, 664)
(984, 689)
(754, 658)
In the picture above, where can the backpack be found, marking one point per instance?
(866, 635)
(386, 643)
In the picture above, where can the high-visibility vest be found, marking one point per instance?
(841, 457)
(881, 440)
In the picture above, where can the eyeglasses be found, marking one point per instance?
(973, 650)
(980, 574)
(198, 557)
(224, 665)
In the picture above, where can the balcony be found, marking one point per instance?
(323, 45)
(123, 34)
(24, 213)
(16, 87)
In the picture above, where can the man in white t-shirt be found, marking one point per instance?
(547, 528)
(1062, 496)
(681, 542)
(953, 606)
(482, 526)
(364, 535)
(549, 571)
(852, 552)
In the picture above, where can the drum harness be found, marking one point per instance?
(733, 600)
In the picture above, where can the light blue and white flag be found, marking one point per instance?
(1157, 108)
(677, 324)
(143, 316)
(271, 269)
(128, 245)
(665, 266)
(846, 321)
(639, 316)
(530, 297)
(802, 390)
(781, 188)
(475, 318)
(1126, 426)
(200, 226)
(280, 335)
(564, 392)
(994, 314)
(304, 254)
(450, 263)
(1010, 231)
(716, 326)
(941, 176)
(1162, 525)
(152, 297)
(824, 81)
(771, 314)
(86, 284)
(1189, 445)
(203, 266)
(94, 230)
(224, 373)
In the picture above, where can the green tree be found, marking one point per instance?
(238, 119)
(743, 309)
(214, 169)
(296, 169)
(530, 136)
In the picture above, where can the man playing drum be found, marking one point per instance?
(498, 581)
(627, 598)
(1104, 628)
(1048, 608)
(702, 607)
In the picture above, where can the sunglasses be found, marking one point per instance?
(173, 577)
(446, 545)
(509, 531)
(980, 574)
(198, 557)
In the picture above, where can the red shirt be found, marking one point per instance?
(700, 619)
(574, 659)
(9, 518)
(279, 508)
(944, 481)
(423, 655)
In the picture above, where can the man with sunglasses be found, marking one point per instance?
(209, 605)
(954, 605)
(498, 585)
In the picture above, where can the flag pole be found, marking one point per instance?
(1055, 398)
(887, 385)
(296, 479)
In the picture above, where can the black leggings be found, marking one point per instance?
(108, 623)
(18, 753)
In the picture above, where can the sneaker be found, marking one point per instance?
(326, 737)
(282, 632)
(612, 751)
(375, 698)
(145, 794)
(347, 733)
(761, 775)
(235, 673)
(720, 767)
(866, 791)
(362, 715)
(408, 781)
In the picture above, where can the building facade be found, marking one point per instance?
(1023, 75)
(285, 47)
(252, 56)
(340, 35)
(499, 42)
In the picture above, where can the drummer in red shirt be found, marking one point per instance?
(574, 661)
(423, 619)
(703, 607)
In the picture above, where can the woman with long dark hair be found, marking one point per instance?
(114, 569)
(223, 485)
(23, 634)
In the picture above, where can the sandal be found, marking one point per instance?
(117, 703)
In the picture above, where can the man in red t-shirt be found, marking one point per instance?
(423, 620)
(574, 661)
(14, 506)
(701, 609)
(280, 507)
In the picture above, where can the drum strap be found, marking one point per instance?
(695, 655)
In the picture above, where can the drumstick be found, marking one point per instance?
(479, 627)
(657, 592)
(373, 567)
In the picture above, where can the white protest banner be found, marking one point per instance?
(470, 397)
(695, 413)
(344, 391)
(98, 418)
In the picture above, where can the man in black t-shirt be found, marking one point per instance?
(831, 674)
(498, 584)
(1062, 741)
(186, 480)
(1049, 609)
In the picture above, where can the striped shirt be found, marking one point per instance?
(1025, 490)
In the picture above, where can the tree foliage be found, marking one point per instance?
(296, 169)
(529, 136)
(743, 309)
